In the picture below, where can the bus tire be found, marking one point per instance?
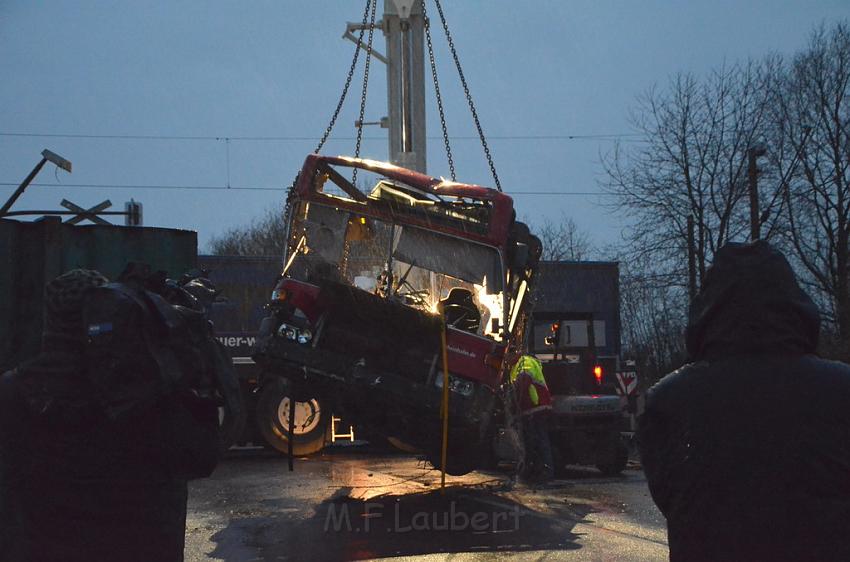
(312, 420)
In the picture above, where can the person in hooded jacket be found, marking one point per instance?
(76, 484)
(746, 449)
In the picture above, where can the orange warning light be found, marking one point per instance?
(597, 372)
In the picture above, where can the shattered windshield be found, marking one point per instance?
(415, 266)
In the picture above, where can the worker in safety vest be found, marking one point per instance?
(535, 404)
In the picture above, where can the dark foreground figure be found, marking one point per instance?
(97, 436)
(747, 448)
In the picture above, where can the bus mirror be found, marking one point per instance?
(520, 257)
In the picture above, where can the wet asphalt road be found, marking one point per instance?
(351, 505)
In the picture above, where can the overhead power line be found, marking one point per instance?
(557, 193)
(627, 137)
(250, 188)
(152, 186)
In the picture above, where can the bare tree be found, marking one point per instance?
(653, 316)
(811, 151)
(693, 161)
(563, 240)
(264, 237)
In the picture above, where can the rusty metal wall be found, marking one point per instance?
(33, 253)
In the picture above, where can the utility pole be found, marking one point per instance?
(692, 262)
(752, 174)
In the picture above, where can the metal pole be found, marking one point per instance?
(692, 262)
(22, 187)
(752, 174)
(406, 117)
(444, 409)
(291, 425)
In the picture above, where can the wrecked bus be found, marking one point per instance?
(354, 325)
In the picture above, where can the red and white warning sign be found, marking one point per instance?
(626, 383)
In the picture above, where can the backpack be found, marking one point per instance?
(144, 352)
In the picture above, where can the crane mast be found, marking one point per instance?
(403, 25)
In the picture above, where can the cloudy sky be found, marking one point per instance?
(146, 93)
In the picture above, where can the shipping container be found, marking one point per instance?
(33, 253)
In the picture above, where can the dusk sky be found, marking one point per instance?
(275, 69)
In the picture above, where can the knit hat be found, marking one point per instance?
(63, 298)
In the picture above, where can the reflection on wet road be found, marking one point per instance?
(344, 506)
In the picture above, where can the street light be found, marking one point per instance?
(46, 156)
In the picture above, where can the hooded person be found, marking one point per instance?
(76, 483)
(747, 448)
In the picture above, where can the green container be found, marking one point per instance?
(33, 253)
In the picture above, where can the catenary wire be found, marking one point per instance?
(251, 188)
(626, 137)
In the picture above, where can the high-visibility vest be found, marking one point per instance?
(527, 375)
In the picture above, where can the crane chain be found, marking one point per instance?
(348, 78)
(468, 96)
(449, 157)
(373, 9)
